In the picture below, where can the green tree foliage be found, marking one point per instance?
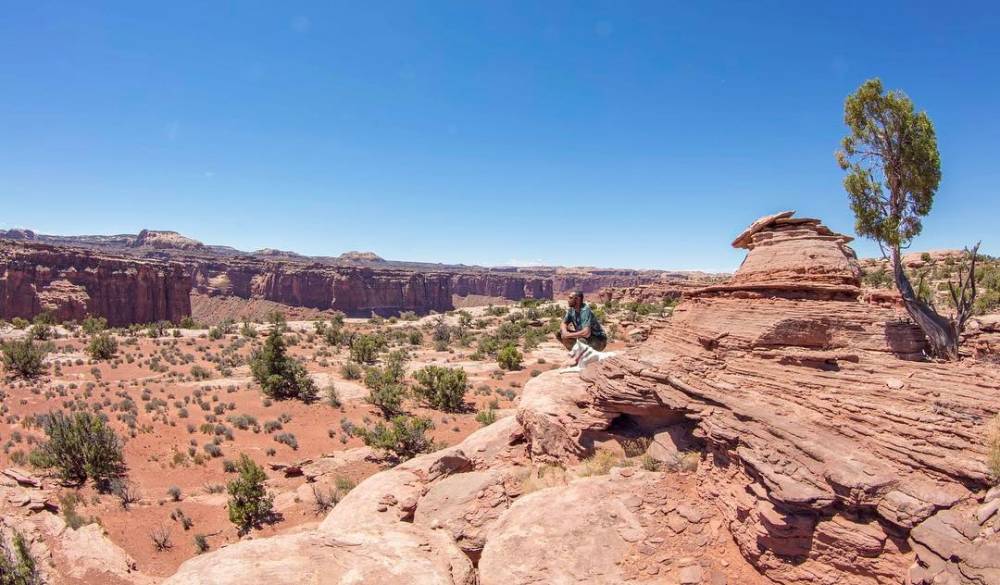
(404, 437)
(509, 358)
(442, 388)
(249, 503)
(24, 357)
(893, 171)
(102, 347)
(94, 325)
(280, 375)
(365, 349)
(81, 446)
(385, 384)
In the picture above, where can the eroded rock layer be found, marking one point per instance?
(833, 456)
(73, 283)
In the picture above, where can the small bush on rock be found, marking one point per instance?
(403, 438)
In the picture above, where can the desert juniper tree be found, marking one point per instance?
(893, 171)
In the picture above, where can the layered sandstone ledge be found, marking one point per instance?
(73, 283)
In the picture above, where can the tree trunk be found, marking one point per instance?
(940, 332)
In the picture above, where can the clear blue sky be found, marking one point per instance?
(613, 134)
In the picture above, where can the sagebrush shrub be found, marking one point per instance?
(404, 437)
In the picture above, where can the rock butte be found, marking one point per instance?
(827, 455)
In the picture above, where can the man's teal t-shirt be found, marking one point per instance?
(582, 318)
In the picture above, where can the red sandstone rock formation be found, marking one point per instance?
(826, 456)
(360, 290)
(73, 283)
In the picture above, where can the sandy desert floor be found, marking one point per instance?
(173, 397)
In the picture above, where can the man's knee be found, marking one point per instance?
(568, 343)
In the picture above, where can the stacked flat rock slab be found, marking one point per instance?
(834, 458)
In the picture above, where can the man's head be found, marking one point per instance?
(576, 299)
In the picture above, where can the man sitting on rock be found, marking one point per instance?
(581, 325)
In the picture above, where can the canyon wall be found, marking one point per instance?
(360, 290)
(73, 283)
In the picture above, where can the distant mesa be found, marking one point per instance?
(275, 253)
(163, 239)
(355, 256)
(18, 234)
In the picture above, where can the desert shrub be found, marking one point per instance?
(351, 371)
(248, 330)
(334, 334)
(82, 446)
(24, 357)
(600, 463)
(41, 332)
(280, 375)
(287, 439)
(510, 358)
(364, 349)
(442, 388)
(249, 503)
(45, 318)
(385, 384)
(649, 463)
(19, 323)
(161, 538)
(277, 320)
(403, 438)
(126, 492)
(332, 397)
(102, 347)
(200, 543)
(200, 372)
(94, 325)
(174, 492)
(17, 565)
(188, 322)
(486, 417)
(877, 278)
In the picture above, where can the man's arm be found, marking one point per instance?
(581, 334)
(586, 316)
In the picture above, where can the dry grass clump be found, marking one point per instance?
(542, 476)
(601, 462)
(993, 448)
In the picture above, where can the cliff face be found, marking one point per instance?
(73, 283)
(359, 290)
